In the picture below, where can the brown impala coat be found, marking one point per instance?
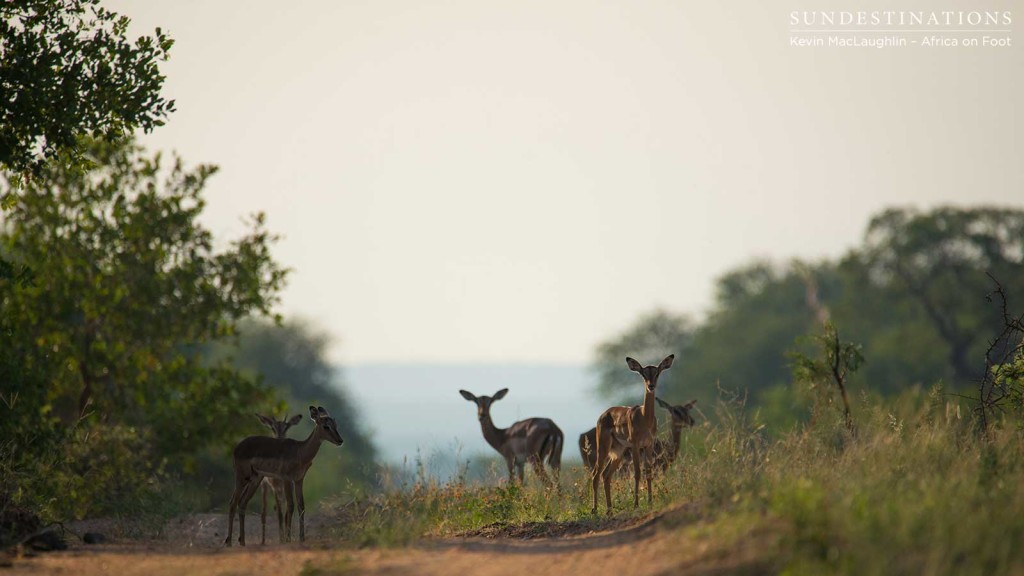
(664, 453)
(257, 457)
(628, 427)
(532, 440)
(282, 490)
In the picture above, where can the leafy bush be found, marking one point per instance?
(100, 372)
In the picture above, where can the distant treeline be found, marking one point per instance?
(913, 295)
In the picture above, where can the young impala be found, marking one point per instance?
(631, 427)
(282, 490)
(664, 452)
(257, 457)
(532, 440)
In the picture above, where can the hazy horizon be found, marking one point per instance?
(447, 426)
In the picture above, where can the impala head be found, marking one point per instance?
(650, 373)
(326, 426)
(483, 403)
(680, 412)
(279, 427)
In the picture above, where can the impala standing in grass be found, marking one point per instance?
(664, 453)
(628, 427)
(283, 491)
(532, 440)
(284, 459)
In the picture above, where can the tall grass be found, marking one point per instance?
(912, 490)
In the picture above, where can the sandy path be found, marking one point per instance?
(645, 549)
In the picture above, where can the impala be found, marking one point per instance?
(632, 427)
(532, 440)
(280, 487)
(664, 454)
(257, 457)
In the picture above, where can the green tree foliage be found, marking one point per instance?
(67, 69)
(1002, 387)
(759, 310)
(104, 343)
(834, 362)
(938, 261)
(913, 294)
(896, 335)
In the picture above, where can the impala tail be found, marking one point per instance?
(555, 440)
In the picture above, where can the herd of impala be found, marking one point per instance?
(623, 435)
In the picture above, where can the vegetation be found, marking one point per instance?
(104, 384)
(912, 295)
(914, 487)
(73, 72)
(835, 362)
(134, 354)
(915, 491)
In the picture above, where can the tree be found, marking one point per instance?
(1002, 386)
(68, 70)
(938, 260)
(913, 294)
(127, 288)
(759, 309)
(836, 360)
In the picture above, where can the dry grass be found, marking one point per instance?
(913, 491)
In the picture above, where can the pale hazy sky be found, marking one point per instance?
(518, 180)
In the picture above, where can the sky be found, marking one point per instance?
(516, 181)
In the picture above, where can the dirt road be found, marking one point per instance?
(662, 544)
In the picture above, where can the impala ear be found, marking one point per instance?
(323, 412)
(468, 395)
(500, 394)
(663, 404)
(690, 404)
(667, 362)
(313, 413)
(295, 420)
(268, 422)
(633, 364)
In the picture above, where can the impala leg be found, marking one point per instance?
(241, 485)
(647, 474)
(636, 474)
(609, 476)
(302, 510)
(232, 507)
(247, 493)
(596, 481)
(280, 516)
(289, 496)
(279, 498)
(263, 515)
(601, 450)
